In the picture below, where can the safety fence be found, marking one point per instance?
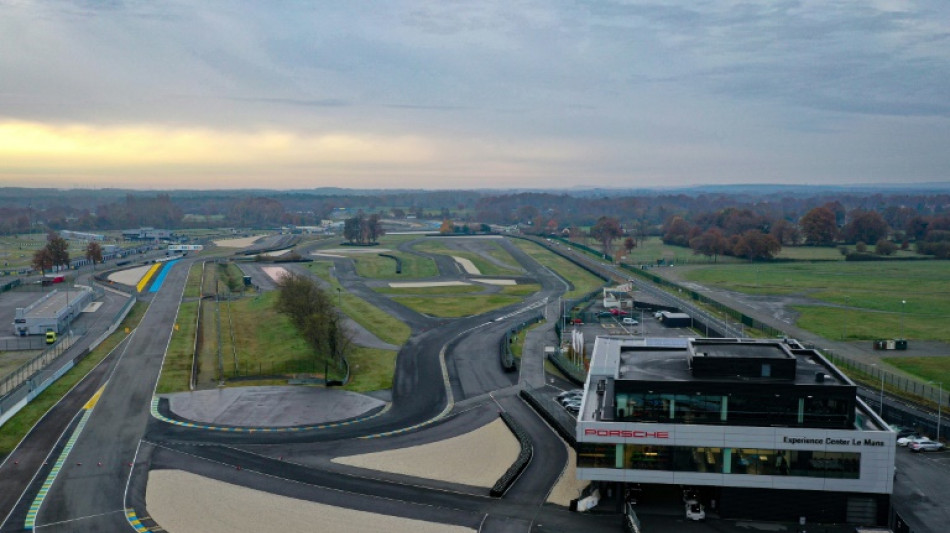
(873, 376)
(25, 371)
(508, 362)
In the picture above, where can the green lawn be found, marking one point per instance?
(18, 426)
(374, 266)
(936, 369)
(374, 319)
(193, 283)
(868, 295)
(583, 281)
(370, 369)
(467, 305)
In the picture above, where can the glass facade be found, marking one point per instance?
(755, 461)
(752, 408)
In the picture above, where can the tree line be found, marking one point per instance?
(312, 313)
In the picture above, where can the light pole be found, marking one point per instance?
(903, 303)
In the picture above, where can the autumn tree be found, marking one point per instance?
(865, 226)
(94, 253)
(58, 249)
(785, 232)
(447, 227)
(710, 243)
(628, 245)
(42, 260)
(819, 227)
(755, 245)
(606, 231)
(676, 231)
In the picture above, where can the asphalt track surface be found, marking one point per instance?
(107, 469)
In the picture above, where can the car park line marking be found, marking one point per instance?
(259, 429)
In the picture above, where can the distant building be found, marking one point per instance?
(70, 235)
(146, 233)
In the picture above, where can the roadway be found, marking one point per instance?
(90, 492)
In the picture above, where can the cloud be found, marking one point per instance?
(694, 89)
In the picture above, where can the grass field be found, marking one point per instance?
(193, 283)
(377, 321)
(370, 265)
(936, 369)
(18, 426)
(867, 296)
(485, 267)
(370, 369)
(466, 305)
(583, 281)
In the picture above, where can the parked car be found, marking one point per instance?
(618, 312)
(573, 407)
(572, 392)
(630, 321)
(569, 399)
(928, 446)
(605, 314)
(906, 441)
(695, 510)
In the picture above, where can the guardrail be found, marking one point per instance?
(26, 371)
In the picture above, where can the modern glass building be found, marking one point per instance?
(764, 429)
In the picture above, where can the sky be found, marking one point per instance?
(292, 94)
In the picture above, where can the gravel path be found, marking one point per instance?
(129, 276)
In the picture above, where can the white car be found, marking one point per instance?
(695, 510)
(911, 439)
(630, 321)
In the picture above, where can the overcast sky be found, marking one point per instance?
(548, 93)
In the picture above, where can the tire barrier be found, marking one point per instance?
(524, 457)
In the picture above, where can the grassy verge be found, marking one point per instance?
(374, 319)
(18, 426)
(370, 369)
(936, 369)
(176, 370)
(193, 283)
(582, 280)
(517, 344)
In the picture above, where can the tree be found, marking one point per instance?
(885, 247)
(313, 315)
(352, 230)
(94, 253)
(819, 227)
(447, 227)
(628, 245)
(710, 243)
(606, 231)
(785, 232)
(374, 227)
(676, 232)
(755, 245)
(58, 249)
(866, 226)
(43, 260)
